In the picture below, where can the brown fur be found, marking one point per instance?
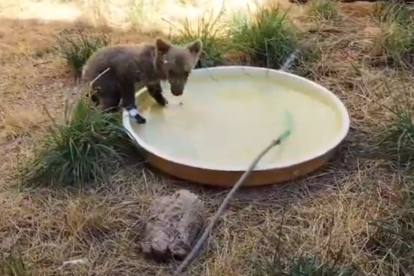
(132, 67)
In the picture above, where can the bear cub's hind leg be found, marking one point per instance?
(106, 93)
(128, 101)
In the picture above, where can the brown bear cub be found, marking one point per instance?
(131, 67)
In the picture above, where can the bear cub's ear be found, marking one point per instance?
(162, 45)
(195, 47)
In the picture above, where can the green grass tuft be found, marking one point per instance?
(82, 151)
(76, 48)
(323, 9)
(393, 236)
(395, 139)
(212, 36)
(313, 267)
(281, 264)
(298, 266)
(13, 265)
(397, 34)
(268, 37)
(395, 11)
(302, 266)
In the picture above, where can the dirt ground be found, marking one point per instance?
(332, 206)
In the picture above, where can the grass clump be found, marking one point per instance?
(324, 9)
(308, 60)
(284, 264)
(304, 266)
(395, 139)
(13, 265)
(83, 150)
(397, 34)
(394, 11)
(268, 37)
(393, 236)
(210, 33)
(301, 266)
(76, 48)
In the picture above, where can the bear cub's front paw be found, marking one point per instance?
(139, 119)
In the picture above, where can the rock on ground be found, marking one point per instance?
(173, 226)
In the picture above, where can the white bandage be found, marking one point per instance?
(133, 112)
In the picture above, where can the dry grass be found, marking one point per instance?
(395, 43)
(141, 14)
(323, 9)
(77, 47)
(358, 210)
